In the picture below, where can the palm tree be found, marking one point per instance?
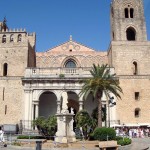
(101, 81)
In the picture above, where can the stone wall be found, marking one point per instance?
(127, 105)
(125, 53)
(11, 100)
(14, 52)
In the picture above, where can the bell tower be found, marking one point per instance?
(129, 54)
(127, 20)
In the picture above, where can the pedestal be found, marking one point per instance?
(65, 133)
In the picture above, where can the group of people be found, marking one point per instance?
(133, 132)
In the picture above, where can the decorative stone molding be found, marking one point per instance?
(70, 46)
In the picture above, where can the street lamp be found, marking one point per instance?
(111, 103)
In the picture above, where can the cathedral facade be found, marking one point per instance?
(31, 83)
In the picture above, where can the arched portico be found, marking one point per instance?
(47, 104)
(90, 104)
(73, 101)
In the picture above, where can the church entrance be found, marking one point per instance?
(47, 104)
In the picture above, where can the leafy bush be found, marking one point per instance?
(104, 134)
(91, 137)
(124, 141)
(61, 75)
(47, 127)
(118, 138)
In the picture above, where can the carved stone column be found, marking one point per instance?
(36, 107)
(58, 107)
(81, 103)
(28, 109)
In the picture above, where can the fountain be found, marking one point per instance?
(65, 133)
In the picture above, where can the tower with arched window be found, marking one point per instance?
(129, 37)
(15, 48)
(128, 21)
(129, 54)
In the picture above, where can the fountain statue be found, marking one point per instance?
(65, 133)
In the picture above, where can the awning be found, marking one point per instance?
(132, 125)
(116, 125)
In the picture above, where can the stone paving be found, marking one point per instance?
(137, 144)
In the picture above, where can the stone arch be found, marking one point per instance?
(129, 11)
(70, 64)
(90, 103)
(131, 33)
(42, 91)
(19, 37)
(12, 38)
(73, 100)
(4, 38)
(47, 104)
(135, 67)
(70, 58)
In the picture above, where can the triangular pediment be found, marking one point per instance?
(71, 46)
(82, 55)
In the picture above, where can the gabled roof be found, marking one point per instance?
(71, 46)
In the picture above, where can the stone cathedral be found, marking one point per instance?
(31, 83)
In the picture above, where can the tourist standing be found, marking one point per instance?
(2, 137)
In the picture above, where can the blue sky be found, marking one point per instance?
(55, 20)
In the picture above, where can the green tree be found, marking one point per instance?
(101, 81)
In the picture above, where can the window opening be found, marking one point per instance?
(131, 12)
(5, 69)
(137, 95)
(137, 112)
(19, 38)
(70, 64)
(4, 39)
(12, 38)
(113, 35)
(3, 93)
(5, 109)
(130, 34)
(135, 71)
(126, 13)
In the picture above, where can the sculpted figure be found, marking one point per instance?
(64, 101)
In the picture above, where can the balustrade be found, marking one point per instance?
(56, 71)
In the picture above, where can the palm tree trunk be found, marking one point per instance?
(100, 112)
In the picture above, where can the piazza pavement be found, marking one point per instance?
(137, 144)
